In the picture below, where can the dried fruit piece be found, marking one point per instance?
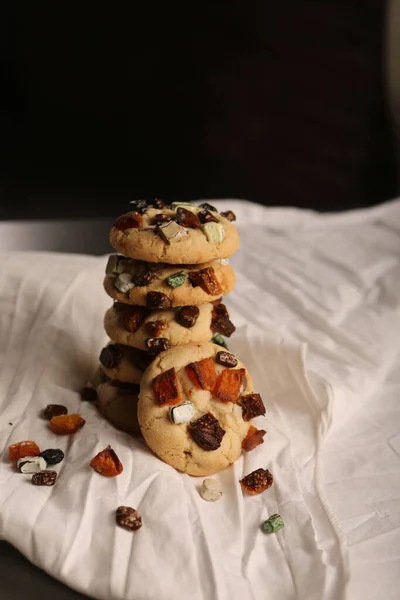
(111, 356)
(229, 215)
(177, 279)
(161, 218)
(252, 406)
(128, 518)
(202, 373)
(257, 482)
(228, 384)
(124, 283)
(53, 410)
(139, 206)
(171, 231)
(158, 203)
(220, 321)
(65, 424)
(187, 316)
(144, 277)
(22, 449)
(219, 340)
(210, 490)
(166, 388)
(206, 432)
(206, 217)
(154, 328)
(131, 317)
(132, 220)
(187, 218)
(182, 413)
(206, 279)
(52, 456)
(31, 464)
(226, 359)
(88, 393)
(157, 300)
(44, 478)
(157, 345)
(273, 524)
(107, 463)
(207, 206)
(253, 438)
(214, 232)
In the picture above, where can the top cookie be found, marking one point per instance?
(178, 234)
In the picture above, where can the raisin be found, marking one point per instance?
(107, 463)
(229, 215)
(157, 300)
(88, 394)
(144, 277)
(206, 279)
(256, 482)
(220, 321)
(228, 384)
(44, 478)
(157, 345)
(202, 373)
(253, 438)
(207, 206)
(161, 218)
(52, 456)
(187, 316)
(132, 220)
(158, 203)
(154, 328)
(128, 518)
(166, 388)
(65, 424)
(22, 449)
(111, 356)
(139, 206)
(187, 218)
(132, 317)
(53, 410)
(206, 432)
(226, 359)
(206, 217)
(252, 406)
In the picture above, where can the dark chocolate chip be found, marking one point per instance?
(187, 316)
(226, 359)
(144, 277)
(139, 206)
(229, 215)
(88, 393)
(54, 410)
(157, 345)
(206, 217)
(111, 356)
(158, 203)
(207, 206)
(157, 300)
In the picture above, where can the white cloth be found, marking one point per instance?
(333, 443)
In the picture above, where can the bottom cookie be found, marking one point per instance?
(117, 402)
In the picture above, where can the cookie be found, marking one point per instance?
(118, 404)
(173, 281)
(187, 234)
(135, 325)
(208, 433)
(124, 363)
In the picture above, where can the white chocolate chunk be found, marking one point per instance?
(115, 265)
(187, 205)
(172, 231)
(214, 232)
(181, 413)
(124, 282)
(222, 261)
(210, 490)
(31, 464)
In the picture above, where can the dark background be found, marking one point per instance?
(280, 105)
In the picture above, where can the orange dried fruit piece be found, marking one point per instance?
(253, 438)
(65, 424)
(132, 220)
(202, 373)
(207, 280)
(252, 406)
(257, 482)
(22, 449)
(166, 388)
(228, 384)
(132, 317)
(107, 463)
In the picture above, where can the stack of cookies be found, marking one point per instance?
(166, 372)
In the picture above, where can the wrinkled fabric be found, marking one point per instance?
(317, 307)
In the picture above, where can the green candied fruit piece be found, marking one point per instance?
(177, 279)
(115, 265)
(273, 524)
(218, 339)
